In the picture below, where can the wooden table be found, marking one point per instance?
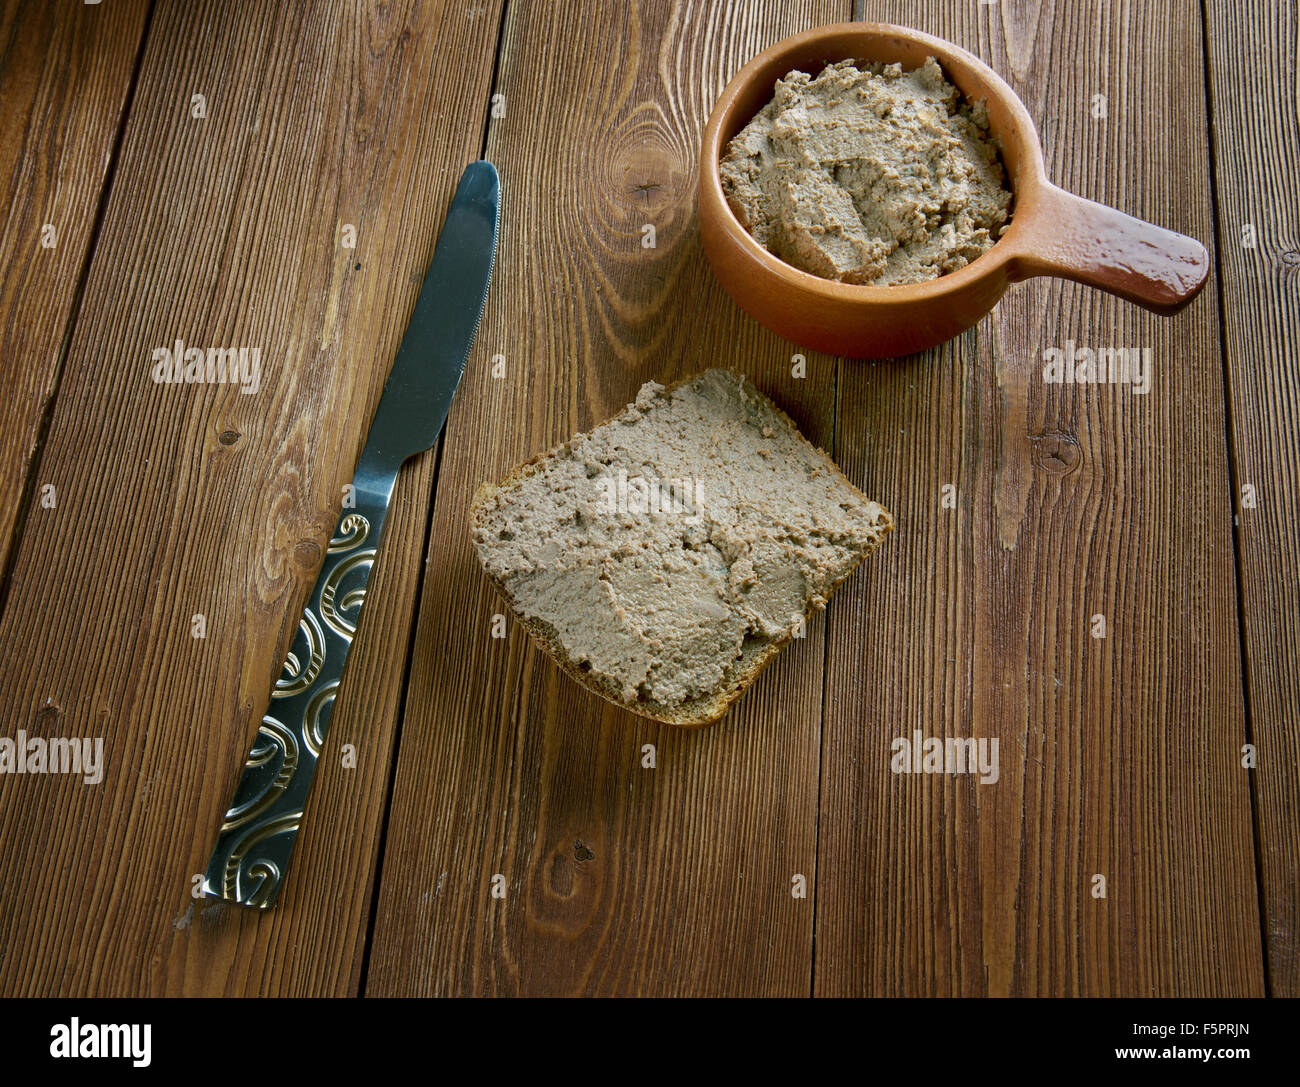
(133, 508)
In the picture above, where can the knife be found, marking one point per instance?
(257, 834)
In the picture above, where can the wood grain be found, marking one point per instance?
(1257, 152)
(1118, 756)
(182, 500)
(618, 879)
(65, 73)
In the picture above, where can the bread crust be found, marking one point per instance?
(703, 710)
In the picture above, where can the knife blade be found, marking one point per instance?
(257, 835)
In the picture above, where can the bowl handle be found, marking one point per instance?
(1090, 243)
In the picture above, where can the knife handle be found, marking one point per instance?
(258, 832)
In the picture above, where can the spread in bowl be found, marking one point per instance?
(870, 175)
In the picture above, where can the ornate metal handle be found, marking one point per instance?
(258, 832)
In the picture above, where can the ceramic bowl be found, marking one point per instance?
(1051, 232)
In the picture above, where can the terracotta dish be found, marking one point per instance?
(1052, 232)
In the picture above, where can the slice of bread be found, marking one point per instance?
(665, 557)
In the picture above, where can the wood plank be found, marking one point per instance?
(1257, 153)
(65, 76)
(619, 880)
(183, 500)
(1118, 756)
